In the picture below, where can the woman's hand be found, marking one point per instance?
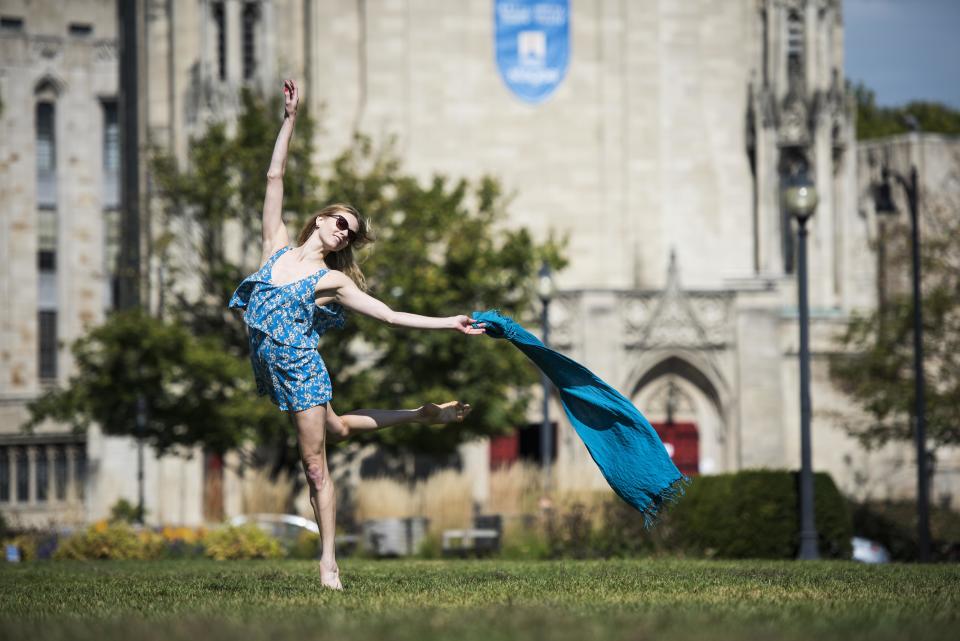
(465, 324)
(291, 98)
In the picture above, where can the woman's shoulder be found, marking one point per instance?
(271, 252)
(330, 277)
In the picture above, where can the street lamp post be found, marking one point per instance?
(141, 422)
(884, 205)
(546, 291)
(801, 201)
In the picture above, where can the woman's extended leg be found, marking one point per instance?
(311, 438)
(356, 421)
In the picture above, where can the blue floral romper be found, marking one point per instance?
(285, 326)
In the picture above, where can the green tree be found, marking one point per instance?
(195, 392)
(876, 122)
(443, 249)
(875, 365)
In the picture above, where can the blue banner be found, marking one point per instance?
(533, 45)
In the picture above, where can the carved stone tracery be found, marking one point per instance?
(674, 317)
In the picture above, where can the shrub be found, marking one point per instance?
(307, 546)
(569, 532)
(623, 535)
(104, 540)
(126, 512)
(431, 547)
(26, 544)
(755, 514)
(182, 542)
(241, 542)
(749, 514)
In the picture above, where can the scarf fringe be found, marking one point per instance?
(667, 496)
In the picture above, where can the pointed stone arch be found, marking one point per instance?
(49, 87)
(680, 366)
(698, 397)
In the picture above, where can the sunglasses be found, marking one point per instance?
(343, 225)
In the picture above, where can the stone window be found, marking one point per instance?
(60, 472)
(111, 155)
(47, 356)
(80, 29)
(251, 15)
(4, 474)
(795, 51)
(41, 470)
(47, 253)
(112, 230)
(80, 471)
(11, 24)
(794, 35)
(23, 475)
(220, 23)
(46, 156)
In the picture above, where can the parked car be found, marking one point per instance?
(867, 551)
(287, 528)
(280, 526)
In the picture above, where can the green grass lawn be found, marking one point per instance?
(478, 600)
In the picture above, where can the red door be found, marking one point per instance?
(505, 449)
(683, 445)
(212, 487)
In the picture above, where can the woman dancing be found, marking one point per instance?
(294, 298)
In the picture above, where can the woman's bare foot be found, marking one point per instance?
(330, 576)
(452, 411)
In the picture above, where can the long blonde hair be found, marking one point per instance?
(343, 260)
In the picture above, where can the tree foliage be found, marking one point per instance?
(195, 393)
(443, 248)
(876, 362)
(874, 121)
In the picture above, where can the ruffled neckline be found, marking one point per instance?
(268, 266)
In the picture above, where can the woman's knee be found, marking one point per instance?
(315, 468)
(336, 426)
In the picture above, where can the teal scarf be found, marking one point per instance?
(621, 441)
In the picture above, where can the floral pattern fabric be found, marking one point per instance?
(285, 327)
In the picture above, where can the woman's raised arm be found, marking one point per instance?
(274, 232)
(345, 292)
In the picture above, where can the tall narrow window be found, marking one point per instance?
(111, 155)
(42, 471)
(60, 472)
(47, 254)
(48, 345)
(111, 256)
(795, 51)
(111, 201)
(47, 294)
(80, 470)
(794, 35)
(251, 13)
(220, 23)
(46, 156)
(23, 475)
(4, 474)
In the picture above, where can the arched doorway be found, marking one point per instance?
(683, 406)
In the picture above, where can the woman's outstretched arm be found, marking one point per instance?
(341, 288)
(274, 232)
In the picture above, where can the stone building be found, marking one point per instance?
(59, 229)
(661, 151)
